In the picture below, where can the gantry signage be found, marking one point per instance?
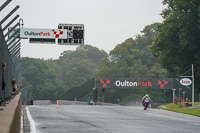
(75, 34)
(135, 83)
(43, 33)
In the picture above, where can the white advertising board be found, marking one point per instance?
(43, 33)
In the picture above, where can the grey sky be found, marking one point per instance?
(107, 22)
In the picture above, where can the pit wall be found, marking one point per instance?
(10, 116)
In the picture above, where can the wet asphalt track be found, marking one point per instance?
(109, 119)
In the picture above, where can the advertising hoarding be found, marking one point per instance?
(135, 83)
(43, 33)
(185, 81)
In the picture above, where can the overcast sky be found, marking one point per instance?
(107, 22)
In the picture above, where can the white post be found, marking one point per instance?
(192, 85)
(180, 96)
(199, 97)
(184, 96)
(118, 101)
(173, 94)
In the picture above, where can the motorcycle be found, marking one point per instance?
(146, 103)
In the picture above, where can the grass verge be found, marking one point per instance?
(176, 108)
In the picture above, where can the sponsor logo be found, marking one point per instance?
(186, 81)
(57, 35)
(31, 33)
(162, 83)
(128, 83)
(136, 83)
(105, 83)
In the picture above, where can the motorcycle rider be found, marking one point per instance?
(144, 97)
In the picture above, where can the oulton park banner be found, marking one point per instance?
(135, 83)
(43, 33)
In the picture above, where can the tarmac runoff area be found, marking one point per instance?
(108, 119)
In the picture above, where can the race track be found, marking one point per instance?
(109, 119)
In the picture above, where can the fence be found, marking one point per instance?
(9, 50)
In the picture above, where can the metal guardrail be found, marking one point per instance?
(65, 102)
(42, 102)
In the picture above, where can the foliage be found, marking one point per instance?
(177, 45)
(43, 80)
(51, 78)
(75, 68)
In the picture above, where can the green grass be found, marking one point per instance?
(176, 108)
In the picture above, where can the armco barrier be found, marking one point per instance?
(65, 102)
(41, 102)
(11, 115)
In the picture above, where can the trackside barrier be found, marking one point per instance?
(107, 104)
(11, 115)
(42, 102)
(65, 102)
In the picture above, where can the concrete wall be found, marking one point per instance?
(11, 115)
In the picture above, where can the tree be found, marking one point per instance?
(177, 45)
(42, 78)
(75, 68)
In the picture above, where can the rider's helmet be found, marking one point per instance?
(146, 95)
